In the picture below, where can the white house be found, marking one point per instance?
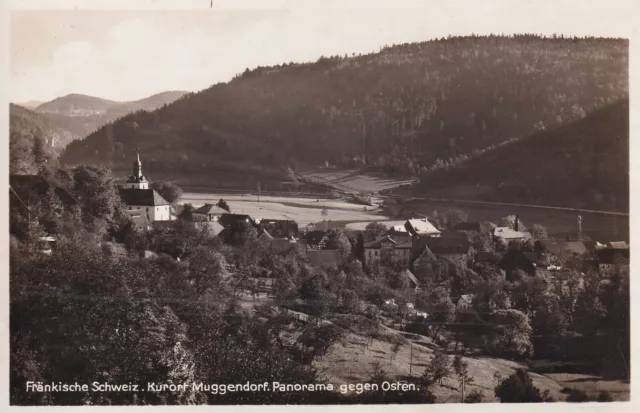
(208, 212)
(421, 227)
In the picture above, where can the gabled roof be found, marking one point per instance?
(516, 260)
(229, 219)
(376, 243)
(444, 245)
(314, 237)
(208, 209)
(410, 276)
(618, 245)
(142, 197)
(508, 234)
(421, 227)
(571, 247)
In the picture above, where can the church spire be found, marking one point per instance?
(137, 165)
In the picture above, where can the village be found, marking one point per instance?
(421, 250)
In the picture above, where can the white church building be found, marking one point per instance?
(142, 201)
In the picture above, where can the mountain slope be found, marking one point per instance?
(584, 164)
(28, 129)
(80, 115)
(76, 104)
(401, 109)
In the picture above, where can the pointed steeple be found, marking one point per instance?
(137, 165)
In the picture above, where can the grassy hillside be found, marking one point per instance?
(401, 109)
(583, 164)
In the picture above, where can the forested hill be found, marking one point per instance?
(29, 130)
(402, 108)
(584, 164)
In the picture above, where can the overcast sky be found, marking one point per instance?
(127, 55)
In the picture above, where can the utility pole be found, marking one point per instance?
(258, 191)
(411, 359)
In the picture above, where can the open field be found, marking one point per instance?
(302, 210)
(352, 180)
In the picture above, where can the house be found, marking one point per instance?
(421, 227)
(323, 258)
(454, 247)
(208, 212)
(509, 234)
(147, 202)
(515, 260)
(387, 247)
(279, 228)
(398, 231)
(614, 258)
(212, 228)
(465, 302)
(48, 243)
(567, 248)
(138, 197)
(284, 245)
(315, 240)
(230, 220)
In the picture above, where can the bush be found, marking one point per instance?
(604, 396)
(474, 397)
(577, 396)
(519, 388)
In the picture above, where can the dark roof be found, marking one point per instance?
(210, 209)
(443, 245)
(314, 237)
(467, 226)
(143, 197)
(25, 186)
(516, 260)
(570, 247)
(609, 255)
(230, 219)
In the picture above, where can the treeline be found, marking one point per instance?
(399, 110)
(583, 164)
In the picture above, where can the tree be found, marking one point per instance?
(454, 216)
(337, 240)
(438, 368)
(187, 212)
(223, 204)
(539, 232)
(373, 230)
(325, 214)
(168, 190)
(460, 367)
(519, 388)
(510, 221)
(511, 335)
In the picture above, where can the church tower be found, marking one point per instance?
(137, 180)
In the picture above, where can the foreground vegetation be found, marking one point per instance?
(92, 312)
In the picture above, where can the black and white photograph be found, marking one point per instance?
(218, 202)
